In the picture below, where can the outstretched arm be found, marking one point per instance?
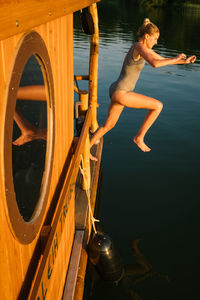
(156, 60)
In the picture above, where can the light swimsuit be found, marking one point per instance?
(129, 74)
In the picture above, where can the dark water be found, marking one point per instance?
(153, 196)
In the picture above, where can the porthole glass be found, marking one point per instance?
(29, 138)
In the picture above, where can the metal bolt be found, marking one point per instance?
(17, 23)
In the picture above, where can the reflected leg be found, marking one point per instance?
(28, 131)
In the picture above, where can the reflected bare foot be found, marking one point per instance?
(93, 157)
(140, 143)
(28, 136)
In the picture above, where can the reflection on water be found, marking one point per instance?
(156, 195)
(130, 279)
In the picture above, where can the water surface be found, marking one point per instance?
(153, 196)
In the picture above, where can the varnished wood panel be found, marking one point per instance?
(58, 37)
(22, 15)
(74, 263)
(63, 220)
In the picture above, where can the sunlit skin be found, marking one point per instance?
(28, 131)
(121, 98)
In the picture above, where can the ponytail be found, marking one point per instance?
(147, 28)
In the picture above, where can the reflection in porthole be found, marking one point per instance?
(29, 138)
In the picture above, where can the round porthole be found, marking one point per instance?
(29, 137)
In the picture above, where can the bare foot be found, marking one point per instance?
(93, 157)
(140, 143)
(38, 134)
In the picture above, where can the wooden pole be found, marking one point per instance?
(83, 97)
(93, 68)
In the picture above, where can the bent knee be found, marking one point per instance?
(159, 105)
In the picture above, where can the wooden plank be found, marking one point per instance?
(42, 280)
(13, 255)
(81, 202)
(95, 180)
(6, 291)
(61, 263)
(95, 173)
(81, 77)
(95, 167)
(73, 267)
(79, 290)
(22, 15)
(81, 207)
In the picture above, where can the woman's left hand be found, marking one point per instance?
(190, 59)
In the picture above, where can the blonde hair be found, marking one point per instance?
(147, 28)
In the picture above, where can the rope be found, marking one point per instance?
(83, 172)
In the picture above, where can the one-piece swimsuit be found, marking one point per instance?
(129, 74)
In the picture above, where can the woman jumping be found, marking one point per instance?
(121, 91)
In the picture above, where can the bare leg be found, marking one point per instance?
(119, 100)
(148, 121)
(134, 100)
(114, 112)
(28, 131)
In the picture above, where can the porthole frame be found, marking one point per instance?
(31, 44)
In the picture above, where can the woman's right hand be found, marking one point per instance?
(182, 58)
(190, 59)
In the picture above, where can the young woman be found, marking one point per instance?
(121, 91)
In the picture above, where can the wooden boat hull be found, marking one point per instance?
(35, 267)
